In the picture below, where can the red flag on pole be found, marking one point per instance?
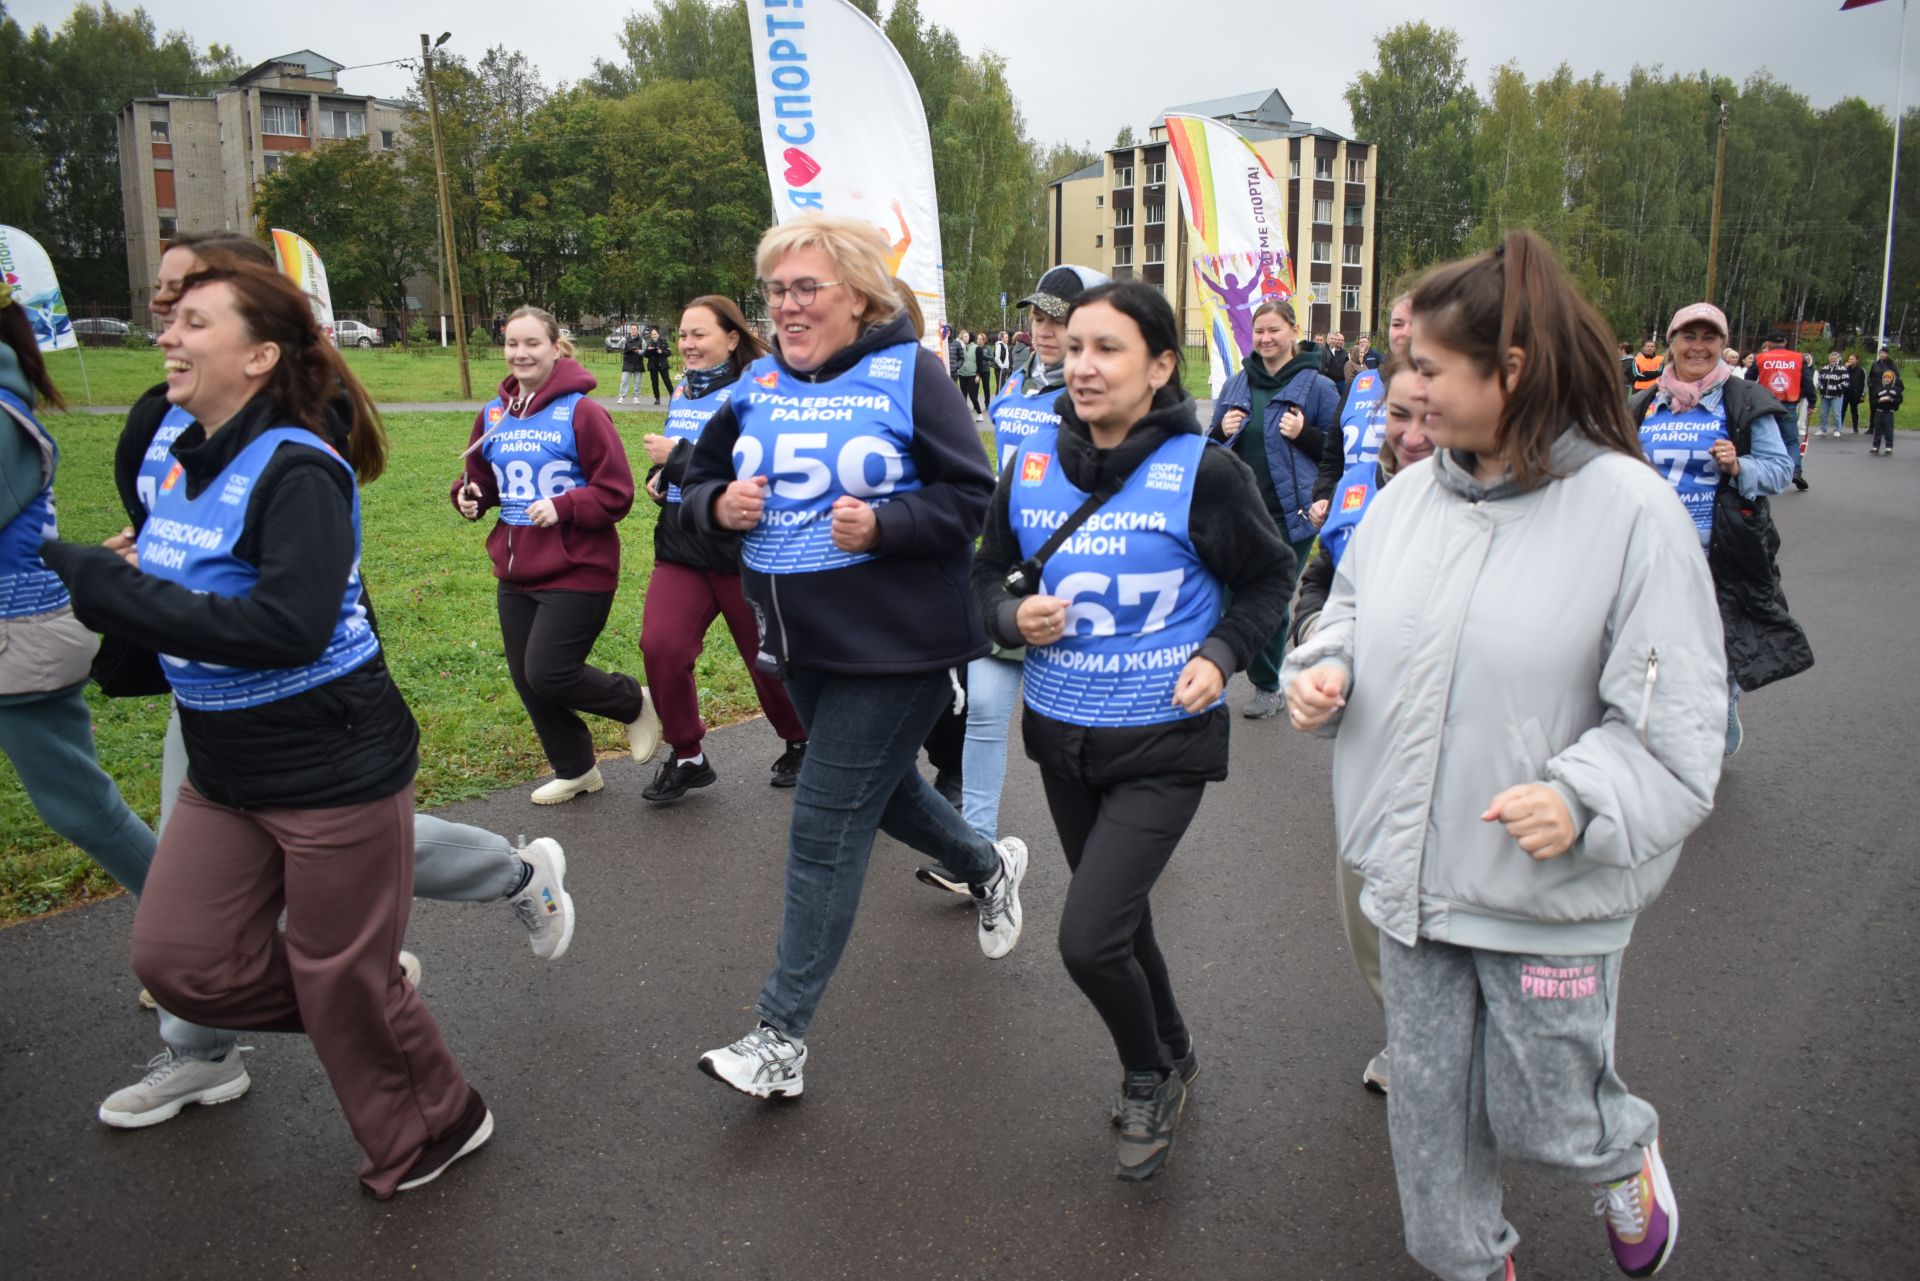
(1855, 4)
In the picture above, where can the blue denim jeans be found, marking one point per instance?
(1790, 429)
(992, 686)
(1830, 414)
(861, 776)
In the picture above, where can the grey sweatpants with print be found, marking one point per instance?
(1499, 1057)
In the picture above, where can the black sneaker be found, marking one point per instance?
(936, 875)
(1149, 1113)
(474, 1128)
(947, 783)
(1800, 482)
(676, 778)
(786, 770)
(1186, 1067)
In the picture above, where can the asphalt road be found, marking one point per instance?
(955, 1121)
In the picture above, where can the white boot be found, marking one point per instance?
(561, 790)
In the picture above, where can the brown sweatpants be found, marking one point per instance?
(207, 944)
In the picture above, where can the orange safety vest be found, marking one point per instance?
(1780, 373)
(1649, 370)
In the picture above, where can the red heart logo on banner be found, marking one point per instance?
(801, 167)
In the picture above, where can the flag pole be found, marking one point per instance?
(1893, 183)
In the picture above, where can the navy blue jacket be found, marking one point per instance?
(1294, 464)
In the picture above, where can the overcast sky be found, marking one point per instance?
(1083, 68)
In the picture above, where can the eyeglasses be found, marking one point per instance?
(803, 291)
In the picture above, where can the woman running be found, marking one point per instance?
(1130, 639)
(1278, 414)
(1705, 429)
(1404, 442)
(1522, 662)
(696, 578)
(851, 466)
(302, 752)
(548, 457)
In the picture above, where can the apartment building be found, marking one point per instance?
(193, 163)
(1122, 214)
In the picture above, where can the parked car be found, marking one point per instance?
(617, 340)
(105, 331)
(352, 333)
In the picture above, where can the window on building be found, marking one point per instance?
(386, 140)
(1356, 214)
(1099, 202)
(1123, 215)
(270, 163)
(1156, 212)
(1350, 256)
(1356, 170)
(336, 122)
(1323, 212)
(1156, 254)
(157, 129)
(1123, 177)
(1323, 168)
(1156, 173)
(1293, 168)
(1123, 255)
(1323, 251)
(1349, 298)
(284, 120)
(1320, 291)
(169, 228)
(1099, 239)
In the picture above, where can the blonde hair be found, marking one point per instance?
(545, 317)
(911, 305)
(858, 251)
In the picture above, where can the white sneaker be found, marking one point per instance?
(621, 401)
(410, 968)
(999, 905)
(1375, 1077)
(562, 790)
(764, 1063)
(643, 735)
(172, 1083)
(543, 905)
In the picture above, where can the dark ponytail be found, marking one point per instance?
(1519, 296)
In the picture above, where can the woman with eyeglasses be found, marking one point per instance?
(849, 463)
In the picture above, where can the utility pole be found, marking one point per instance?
(1719, 173)
(1893, 181)
(448, 256)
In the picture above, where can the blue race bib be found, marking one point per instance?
(532, 458)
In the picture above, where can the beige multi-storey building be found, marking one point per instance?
(1123, 216)
(194, 163)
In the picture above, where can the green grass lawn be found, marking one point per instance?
(433, 594)
(118, 375)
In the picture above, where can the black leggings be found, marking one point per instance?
(1852, 409)
(548, 636)
(970, 388)
(1117, 840)
(660, 377)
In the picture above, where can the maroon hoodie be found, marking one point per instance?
(582, 552)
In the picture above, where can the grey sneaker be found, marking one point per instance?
(172, 1083)
(1186, 1067)
(543, 907)
(1150, 1111)
(999, 903)
(1263, 704)
(1734, 731)
(1375, 1077)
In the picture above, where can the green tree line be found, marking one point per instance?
(1619, 176)
(623, 195)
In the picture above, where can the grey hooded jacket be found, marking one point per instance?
(1566, 635)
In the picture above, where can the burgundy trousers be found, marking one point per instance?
(208, 945)
(682, 603)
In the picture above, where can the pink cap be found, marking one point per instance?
(1698, 311)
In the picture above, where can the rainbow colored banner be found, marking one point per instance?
(1232, 201)
(301, 264)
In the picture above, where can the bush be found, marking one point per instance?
(417, 334)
